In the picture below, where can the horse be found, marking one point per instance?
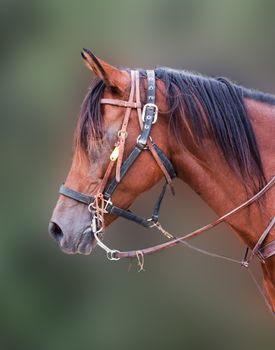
(136, 127)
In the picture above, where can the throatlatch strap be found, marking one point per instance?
(127, 214)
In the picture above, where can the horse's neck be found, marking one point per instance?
(262, 117)
(208, 174)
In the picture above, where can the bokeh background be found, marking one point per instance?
(49, 300)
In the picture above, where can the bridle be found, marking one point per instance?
(101, 203)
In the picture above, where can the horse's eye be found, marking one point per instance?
(114, 90)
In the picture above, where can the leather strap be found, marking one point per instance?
(151, 88)
(173, 242)
(78, 196)
(149, 110)
(267, 251)
(138, 101)
(262, 251)
(112, 209)
(106, 177)
(122, 134)
(129, 215)
(120, 103)
(163, 162)
(150, 144)
(131, 159)
(125, 167)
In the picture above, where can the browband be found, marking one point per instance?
(121, 103)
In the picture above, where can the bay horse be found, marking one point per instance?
(136, 127)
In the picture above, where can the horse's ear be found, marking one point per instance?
(112, 76)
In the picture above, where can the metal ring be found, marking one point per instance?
(111, 255)
(91, 209)
(122, 132)
(153, 224)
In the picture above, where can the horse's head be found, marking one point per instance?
(103, 129)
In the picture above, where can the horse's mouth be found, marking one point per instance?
(86, 242)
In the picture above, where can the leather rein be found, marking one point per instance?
(100, 203)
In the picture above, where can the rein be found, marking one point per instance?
(100, 203)
(262, 253)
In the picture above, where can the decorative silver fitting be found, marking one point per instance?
(245, 264)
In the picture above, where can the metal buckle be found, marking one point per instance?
(122, 133)
(150, 105)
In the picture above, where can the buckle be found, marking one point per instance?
(144, 116)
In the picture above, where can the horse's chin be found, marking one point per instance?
(86, 242)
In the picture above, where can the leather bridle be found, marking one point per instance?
(101, 202)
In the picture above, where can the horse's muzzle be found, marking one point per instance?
(80, 244)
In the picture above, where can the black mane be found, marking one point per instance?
(209, 106)
(89, 130)
(215, 107)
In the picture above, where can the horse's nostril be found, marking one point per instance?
(55, 231)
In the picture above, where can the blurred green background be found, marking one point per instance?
(53, 301)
